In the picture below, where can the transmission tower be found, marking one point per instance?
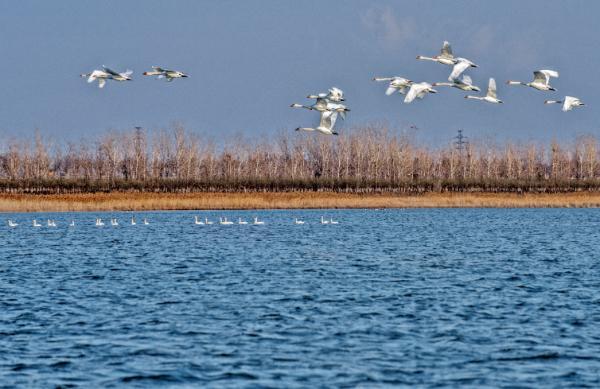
(461, 141)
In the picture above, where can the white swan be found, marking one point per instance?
(99, 222)
(240, 221)
(569, 102)
(446, 57)
(465, 84)
(541, 80)
(146, 222)
(114, 222)
(326, 124)
(167, 74)
(107, 74)
(36, 224)
(460, 66)
(491, 96)
(72, 224)
(296, 221)
(257, 222)
(331, 221)
(198, 222)
(224, 221)
(418, 90)
(206, 221)
(334, 94)
(51, 223)
(323, 105)
(399, 84)
(323, 221)
(12, 223)
(133, 222)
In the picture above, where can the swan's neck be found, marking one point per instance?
(516, 83)
(426, 58)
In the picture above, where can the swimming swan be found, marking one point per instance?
(257, 222)
(36, 224)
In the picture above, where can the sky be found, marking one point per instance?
(249, 60)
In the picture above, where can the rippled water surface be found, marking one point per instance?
(385, 298)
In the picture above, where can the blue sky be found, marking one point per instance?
(249, 60)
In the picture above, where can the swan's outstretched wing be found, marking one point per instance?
(446, 51)
(543, 76)
(158, 69)
(110, 71)
(101, 82)
(491, 92)
(458, 69)
(128, 73)
(467, 80)
(328, 119)
(413, 92)
(390, 90)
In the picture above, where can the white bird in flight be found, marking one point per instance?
(569, 102)
(323, 105)
(460, 66)
(334, 94)
(107, 74)
(418, 91)
(167, 74)
(491, 96)
(326, 124)
(541, 80)
(465, 84)
(446, 57)
(399, 84)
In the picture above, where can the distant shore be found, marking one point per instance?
(126, 201)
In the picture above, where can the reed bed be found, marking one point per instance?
(117, 201)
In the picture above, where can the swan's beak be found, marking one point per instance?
(474, 66)
(184, 75)
(433, 91)
(552, 89)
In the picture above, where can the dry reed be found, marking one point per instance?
(119, 201)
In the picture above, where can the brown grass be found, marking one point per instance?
(120, 201)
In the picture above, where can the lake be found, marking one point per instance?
(423, 297)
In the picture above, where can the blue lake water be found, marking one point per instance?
(451, 297)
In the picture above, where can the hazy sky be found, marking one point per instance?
(249, 60)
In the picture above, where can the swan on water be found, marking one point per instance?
(240, 221)
(206, 221)
(99, 222)
(465, 84)
(331, 221)
(569, 102)
(326, 124)
(107, 74)
(296, 221)
(334, 94)
(133, 222)
(418, 91)
(51, 223)
(12, 223)
(36, 223)
(491, 96)
(114, 222)
(399, 84)
(323, 221)
(445, 57)
(257, 222)
(198, 222)
(167, 74)
(224, 221)
(146, 222)
(541, 80)
(72, 224)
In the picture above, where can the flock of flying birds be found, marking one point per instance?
(329, 105)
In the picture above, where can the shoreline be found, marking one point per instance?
(129, 201)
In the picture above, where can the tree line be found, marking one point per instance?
(363, 160)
